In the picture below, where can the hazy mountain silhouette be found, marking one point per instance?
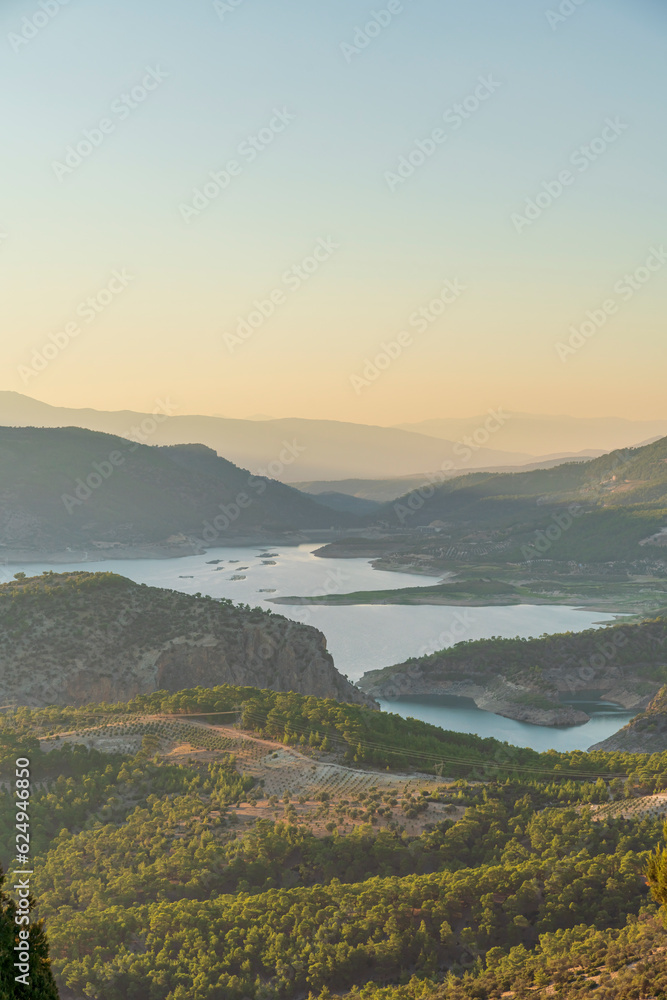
(550, 436)
(322, 449)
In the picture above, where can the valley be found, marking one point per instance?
(333, 502)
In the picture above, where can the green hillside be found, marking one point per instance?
(604, 507)
(624, 661)
(71, 487)
(72, 638)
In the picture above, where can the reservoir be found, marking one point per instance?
(367, 637)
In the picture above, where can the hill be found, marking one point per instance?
(73, 638)
(382, 490)
(612, 508)
(70, 488)
(525, 679)
(345, 502)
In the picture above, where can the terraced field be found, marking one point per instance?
(311, 785)
(650, 806)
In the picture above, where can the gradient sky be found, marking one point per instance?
(324, 177)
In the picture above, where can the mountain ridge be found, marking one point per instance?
(66, 488)
(550, 433)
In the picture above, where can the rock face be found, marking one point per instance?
(646, 733)
(501, 697)
(77, 638)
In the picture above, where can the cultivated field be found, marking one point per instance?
(307, 786)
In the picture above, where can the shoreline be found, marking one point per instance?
(579, 605)
(150, 550)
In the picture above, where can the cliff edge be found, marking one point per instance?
(75, 638)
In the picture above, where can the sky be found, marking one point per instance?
(422, 208)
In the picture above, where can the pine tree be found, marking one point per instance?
(42, 984)
(656, 873)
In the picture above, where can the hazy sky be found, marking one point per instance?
(544, 90)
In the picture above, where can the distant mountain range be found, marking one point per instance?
(549, 436)
(378, 491)
(69, 488)
(296, 450)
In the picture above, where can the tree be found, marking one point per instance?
(42, 985)
(656, 873)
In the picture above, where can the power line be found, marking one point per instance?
(445, 759)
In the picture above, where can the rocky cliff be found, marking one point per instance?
(499, 696)
(646, 733)
(74, 638)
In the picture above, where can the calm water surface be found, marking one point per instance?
(462, 716)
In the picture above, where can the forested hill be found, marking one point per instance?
(606, 507)
(68, 487)
(626, 662)
(624, 477)
(182, 858)
(72, 638)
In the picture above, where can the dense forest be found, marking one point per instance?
(529, 869)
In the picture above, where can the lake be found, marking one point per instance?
(366, 637)
(462, 716)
